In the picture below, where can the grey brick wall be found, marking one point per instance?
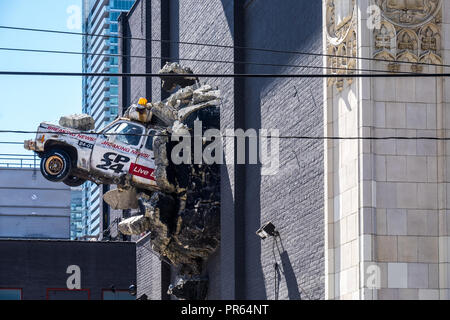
(36, 265)
(148, 266)
(293, 199)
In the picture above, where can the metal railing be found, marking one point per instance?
(9, 160)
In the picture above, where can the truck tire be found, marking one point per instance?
(73, 181)
(55, 165)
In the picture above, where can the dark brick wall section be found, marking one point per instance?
(148, 270)
(292, 199)
(212, 22)
(35, 265)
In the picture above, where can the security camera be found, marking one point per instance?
(267, 230)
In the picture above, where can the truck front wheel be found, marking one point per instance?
(55, 165)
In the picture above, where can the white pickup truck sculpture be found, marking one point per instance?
(123, 148)
(179, 204)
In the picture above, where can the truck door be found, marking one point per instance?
(144, 169)
(116, 149)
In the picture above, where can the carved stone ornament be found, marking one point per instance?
(341, 39)
(340, 14)
(410, 31)
(409, 13)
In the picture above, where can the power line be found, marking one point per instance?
(225, 136)
(242, 75)
(222, 46)
(115, 221)
(111, 55)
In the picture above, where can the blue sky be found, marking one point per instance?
(25, 101)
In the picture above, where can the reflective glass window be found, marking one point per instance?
(10, 294)
(117, 295)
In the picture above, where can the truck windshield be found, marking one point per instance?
(129, 133)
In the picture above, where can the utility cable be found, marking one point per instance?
(255, 75)
(222, 46)
(195, 60)
(226, 136)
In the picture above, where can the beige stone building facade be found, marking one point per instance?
(387, 201)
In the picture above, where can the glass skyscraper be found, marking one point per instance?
(76, 213)
(100, 94)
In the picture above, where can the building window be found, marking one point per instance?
(114, 90)
(121, 4)
(114, 16)
(113, 111)
(117, 295)
(10, 294)
(114, 61)
(67, 294)
(114, 101)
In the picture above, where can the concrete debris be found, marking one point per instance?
(134, 225)
(205, 93)
(185, 227)
(174, 67)
(82, 122)
(182, 96)
(203, 97)
(158, 208)
(186, 112)
(180, 128)
(121, 199)
(203, 89)
(177, 107)
(170, 83)
(163, 176)
(189, 288)
(165, 113)
(184, 217)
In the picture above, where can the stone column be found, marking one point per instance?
(386, 207)
(341, 156)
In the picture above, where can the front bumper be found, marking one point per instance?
(29, 145)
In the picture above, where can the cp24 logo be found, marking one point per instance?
(113, 161)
